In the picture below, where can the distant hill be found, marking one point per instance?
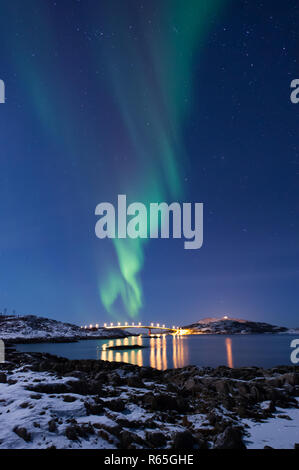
(227, 325)
(30, 328)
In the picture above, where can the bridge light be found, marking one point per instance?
(152, 324)
(97, 325)
(105, 324)
(173, 327)
(111, 324)
(85, 327)
(126, 324)
(139, 323)
(133, 324)
(163, 326)
(118, 323)
(158, 324)
(90, 326)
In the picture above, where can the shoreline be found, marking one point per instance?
(52, 402)
(76, 339)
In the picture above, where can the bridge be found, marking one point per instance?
(153, 326)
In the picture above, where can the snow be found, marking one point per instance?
(38, 413)
(30, 327)
(279, 433)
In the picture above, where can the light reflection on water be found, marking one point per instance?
(168, 351)
(158, 351)
(229, 352)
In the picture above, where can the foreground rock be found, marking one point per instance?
(50, 401)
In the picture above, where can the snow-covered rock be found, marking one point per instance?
(30, 328)
(227, 325)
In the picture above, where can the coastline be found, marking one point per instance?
(52, 402)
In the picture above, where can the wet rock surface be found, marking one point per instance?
(126, 406)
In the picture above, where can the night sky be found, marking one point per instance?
(167, 100)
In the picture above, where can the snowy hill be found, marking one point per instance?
(227, 325)
(30, 328)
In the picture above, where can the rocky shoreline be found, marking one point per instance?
(52, 402)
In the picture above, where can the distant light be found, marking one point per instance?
(163, 326)
(126, 324)
(105, 324)
(97, 325)
(158, 324)
(118, 323)
(139, 323)
(133, 324)
(152, 324)
(225, 317)
(90, 326)
(111, 324)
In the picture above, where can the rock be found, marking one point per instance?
(127, 439)
(74, 431)
(3, 378)
(291, 378)
(50, 388)
(84, 387)
(36, 396)
(231, 438)
(52, 426)
(93, 408)
(165, 402)
(115, 405)
(212, 418)
(156, 439)
(222, 387)
(284, 417)
(23, 433)
(135, 381)
(183, 440)
(71, 432)
(25, 404)
(192, 386)
(69, 398)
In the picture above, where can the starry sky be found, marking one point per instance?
(162, 101)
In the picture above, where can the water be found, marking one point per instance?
(168, 351)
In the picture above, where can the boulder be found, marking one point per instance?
(183, 440)
(23, 433)
(231, 438)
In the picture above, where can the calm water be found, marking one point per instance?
(169, 351)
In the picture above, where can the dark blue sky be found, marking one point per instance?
(84, 80)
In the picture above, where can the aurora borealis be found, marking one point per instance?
(161, 101)
(153, 98)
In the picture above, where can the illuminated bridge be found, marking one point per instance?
(153, 326)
